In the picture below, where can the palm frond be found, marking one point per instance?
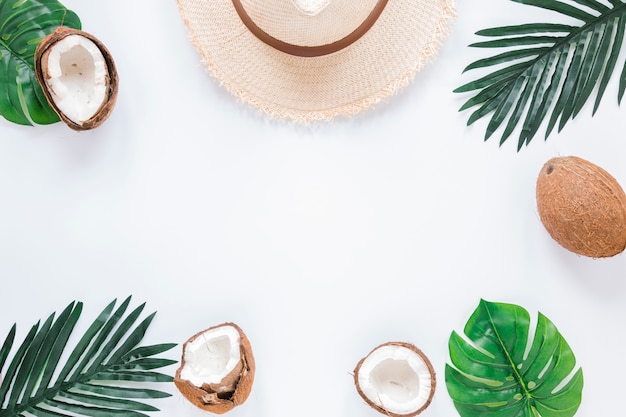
(104, 375)
(547, 70)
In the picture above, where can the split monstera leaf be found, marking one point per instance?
(502, 369)
(105, 375)
(50, 69)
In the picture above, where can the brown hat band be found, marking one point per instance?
(310, 51)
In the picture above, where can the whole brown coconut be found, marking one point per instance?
(217, 369)
(582, 207)
(78, 77)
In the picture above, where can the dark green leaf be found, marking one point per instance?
(28, 385)
(27, 366)
(550, 94)
(9, 375)
(147, 351)
(527, 29)
(595, 64)
(22, 26)
(593, 4)
(6, 346)
(84, 342)
(546, 88)
(517, 41)
(618, 38)
(101, 401)
(485, 95)
(120, 392)
(522, 101)
(567, 90)
(131, 340)
(99, 340)
(41, 412)
(506, 57)
(62, 331)
(622, 85)
(132, 376)
(494, 371)
(115, 338)
(92, 411)
(582, 59)
(507, 74)
(560, 7)
(485, 109)
(144, 364)
(583, 68)
(505, 106)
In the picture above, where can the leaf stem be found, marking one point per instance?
(527, 394)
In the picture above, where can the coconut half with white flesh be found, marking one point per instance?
(217, 369)
(78, 76)
(396, 379)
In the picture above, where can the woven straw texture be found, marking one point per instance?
(404, 38)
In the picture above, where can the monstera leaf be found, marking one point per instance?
(23, 24)
(547, 69)
(102, 376)
(502, 370)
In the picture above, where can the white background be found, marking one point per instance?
(321, 242)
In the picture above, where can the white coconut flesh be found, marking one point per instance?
(212, 356)
(77, 77)
(396, 379)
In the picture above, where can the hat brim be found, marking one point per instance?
(405, 37)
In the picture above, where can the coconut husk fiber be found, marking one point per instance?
(41, 72)
(582, 207)
(232, 391)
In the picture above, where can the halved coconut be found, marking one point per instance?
(217, 368)
(78, 76)
(396, 379)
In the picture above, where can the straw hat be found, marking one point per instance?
(315, 59)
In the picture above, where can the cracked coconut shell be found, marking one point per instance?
(582, 207)
(396, 379)
(78, 77)
(217, 369)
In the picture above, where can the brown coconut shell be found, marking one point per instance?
(41, 64)
(582, 207)
(428, 364)
(233, 390)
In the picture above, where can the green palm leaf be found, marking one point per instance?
(547, 70)
(23, 24)
(103, 375)
(502, 370)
